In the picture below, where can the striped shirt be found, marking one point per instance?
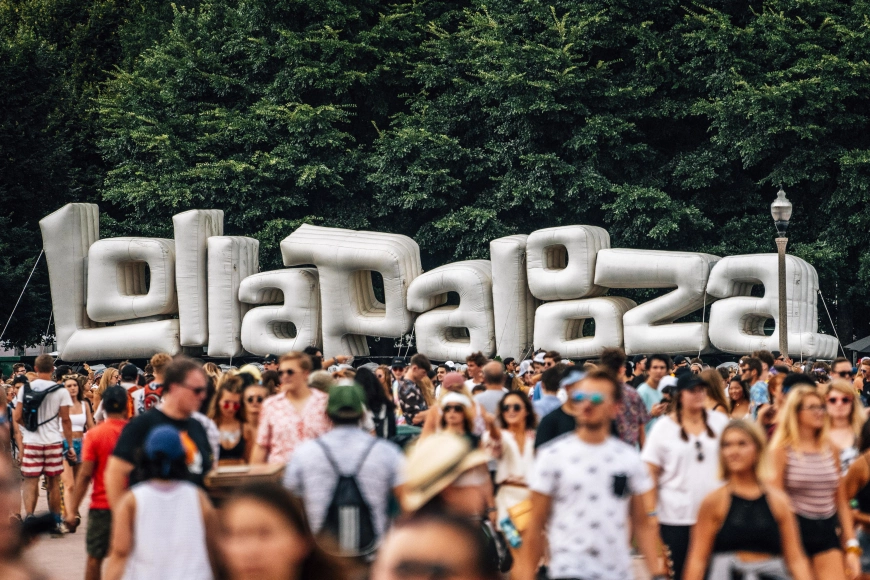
(811, 482)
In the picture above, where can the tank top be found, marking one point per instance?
(235, 452)
(811, 482)
(748, 527)
(78, 420)
(168, 516)
(863, 495)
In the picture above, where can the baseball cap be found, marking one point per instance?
(688, 381)
(571, 377)
(453, 379)
(637, 358)
(525, 367)
(680, 359)
(270, 358)
(115, 399)
(163, 439)
(20, 379)
(539, 358)
(129, 371)
(450, 364)
(346, 401)
(399, 363)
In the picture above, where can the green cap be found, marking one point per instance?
(346, 401)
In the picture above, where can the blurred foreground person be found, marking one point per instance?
(265, 536)
(11, 567)
(161, 527)
(434, 546)
(746, 527)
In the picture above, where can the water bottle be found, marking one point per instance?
(510, 533)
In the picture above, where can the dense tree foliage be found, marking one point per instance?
(671, 124)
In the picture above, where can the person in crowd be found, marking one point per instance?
(270, 363)
(440, 371)
(98, 447)
(109, 378)
(682, 452)
(493, 381)
(270, 381)
(856, 486)
(321, 381)
(738, 393)
(378, 403)
(806, 466)
(862, 380)
(745, 527)
(454, 382)
(184, 387)
(658, 367)
(43, 449)
(512, 443)
(475, 362)
(435, 545)
(821, 372)
(385, 378)
(715, 391)
(457, 417)
(415, 395)
(767, 360)
(150, 395)
(846, 417)
(14, 427)
(841, 368)
(638, 370)
(549, 400)
(252, 405)
(561, 420)
(294, 415)
(316, 466)
(317, 361)
(265, 519)
(162, 512)
(128, 375)
(586, 493)
(750, 372)
(226, 412)
(633, 415)
(82, 421)
(214, 373)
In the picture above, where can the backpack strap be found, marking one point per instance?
(47, 392)
(334, 465)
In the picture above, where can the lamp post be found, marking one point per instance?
(780, 209)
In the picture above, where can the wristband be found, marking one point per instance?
(853, 543)
(652, 514)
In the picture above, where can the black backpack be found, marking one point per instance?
(31, 400)
(349, 519)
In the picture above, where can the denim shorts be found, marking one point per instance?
(77, 446)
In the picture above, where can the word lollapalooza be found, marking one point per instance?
(206, 290)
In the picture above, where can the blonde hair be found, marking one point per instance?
(786, 433)
(428, 390)
(469, 410)
(107, 380)
(856, 417)
(753, 431)
(213, 371)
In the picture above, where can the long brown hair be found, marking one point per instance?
(715, 387)
(229, 384)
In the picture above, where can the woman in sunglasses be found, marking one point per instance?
(682, 452)
(457, 417)
(743, 526)
(806, 465)
(226, 412)
(511, 442)
(846, 417)
(252, 403)
(81, 419)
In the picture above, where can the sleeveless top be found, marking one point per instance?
(168, 516)
(811, 482)
(79, 420)
(748, 527)
(863, 495)
(235, 452)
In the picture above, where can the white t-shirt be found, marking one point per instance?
(52, 431)
(587, 531)
(684, 479)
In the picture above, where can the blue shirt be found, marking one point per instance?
(537, 392)
(758, 395)
(546, 405)
(651, 397)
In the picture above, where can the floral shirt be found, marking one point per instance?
(411, 400)
(283, 427)
(632, 417)
(758, 396)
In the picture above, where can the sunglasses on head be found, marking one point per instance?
(230, 404)
(457, 408)
(594, 398)
(516, 407)
(254, 399)
(70, 377)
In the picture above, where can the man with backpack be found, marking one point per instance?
(346, 476)
(43, 410)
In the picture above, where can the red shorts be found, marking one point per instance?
(39, 459)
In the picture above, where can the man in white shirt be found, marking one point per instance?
(587, 492)
(43, 448)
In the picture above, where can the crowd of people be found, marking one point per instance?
(483, 469)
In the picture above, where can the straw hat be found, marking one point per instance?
(435, 463)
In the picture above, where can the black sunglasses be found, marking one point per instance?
(288, 372)
(515, 407)
(700, 449)
(457, 408)
(254, 398)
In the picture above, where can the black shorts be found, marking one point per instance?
(819, 536)
(99, 533)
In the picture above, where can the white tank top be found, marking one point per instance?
(168, 534)
(79, 420)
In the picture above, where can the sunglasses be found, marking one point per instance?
(814, 409)
(700, 449)
(841, 400)
(68, 377)
(254, 399)
(457, 408)
(230, 404)
(288, 372)
(594, 398)
(198, 391)
(844, 374)
(516, 407)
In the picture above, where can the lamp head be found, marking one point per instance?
(780, 209)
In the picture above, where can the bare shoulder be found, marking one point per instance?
(716, 503)
(780, 504)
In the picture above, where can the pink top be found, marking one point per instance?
(811, 481)
(283, 428)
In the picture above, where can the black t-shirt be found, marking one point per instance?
(557, 423)
(193, 438)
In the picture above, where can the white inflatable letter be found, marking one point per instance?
(547, 250)
(270, 329)
(649, 327)
(192, 230)
(441, 331)
(559, 325)
(230, 260)
(737, 321)
(513, 303)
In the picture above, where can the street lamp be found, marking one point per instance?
(780, 209)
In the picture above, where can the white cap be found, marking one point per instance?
(539, 358)
(667, 381)
(453, 397)
(525, 367)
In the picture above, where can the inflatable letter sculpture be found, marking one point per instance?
(453, 332)
(512, 301)
(559, 325)
(231, 259)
